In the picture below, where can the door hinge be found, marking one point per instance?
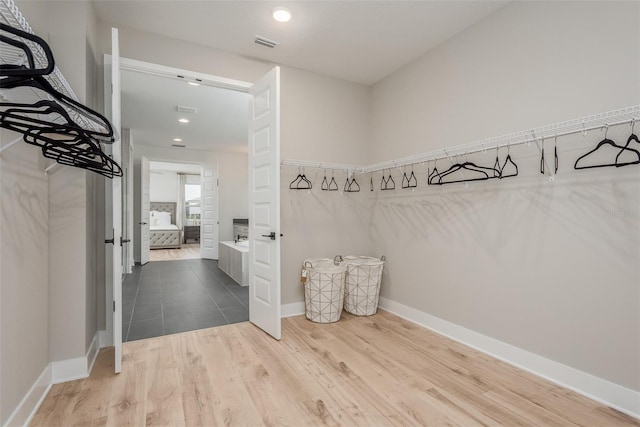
(114, 306)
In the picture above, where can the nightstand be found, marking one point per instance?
(191, 232)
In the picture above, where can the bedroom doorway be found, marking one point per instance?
(174, 211)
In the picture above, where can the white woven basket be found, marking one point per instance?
(324, 290)
(362, 289)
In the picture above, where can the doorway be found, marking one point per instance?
(183, 204)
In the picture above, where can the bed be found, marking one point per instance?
(163, 231)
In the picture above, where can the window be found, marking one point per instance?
(192, 204)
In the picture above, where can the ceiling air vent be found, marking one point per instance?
(178, 145)
(265, 42)
(186, 110)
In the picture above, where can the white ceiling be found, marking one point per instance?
(174, 167)
(360, 41)
(149, 108)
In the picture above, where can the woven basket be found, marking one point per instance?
(362, 289)
(324, 290)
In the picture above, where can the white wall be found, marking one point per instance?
(47, 295)
(544, 267)
(24, 265)
(163, 186)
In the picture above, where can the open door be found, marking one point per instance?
(116, 184)
(264, 203)
(209, 213)
(145, 208)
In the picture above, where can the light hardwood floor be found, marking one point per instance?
(370, 371)
(187, 251)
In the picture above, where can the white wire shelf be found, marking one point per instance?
(11, 15)
(569, 127)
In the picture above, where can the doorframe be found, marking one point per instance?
(171, 72)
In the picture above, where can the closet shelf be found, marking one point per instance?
(569, 127)
(11, 15)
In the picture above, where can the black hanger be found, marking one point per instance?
(606, 141)
(300, 182)
(632, 137)
(325, 183)
(496, 166)
(333, 185)
(433, 175)
(409, 181)
(542, 158)
(105, 134)
(21, 70)
(508, 160)
(371, 184)
(555, 154)
(387, 183)
(484, 171)
(351, 186)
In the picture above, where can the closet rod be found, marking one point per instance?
(570, 127)
(320, 165)
(585, 124)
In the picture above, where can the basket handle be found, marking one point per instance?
(337, 259)
(383, 258)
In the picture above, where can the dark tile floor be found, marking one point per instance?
(167, 297)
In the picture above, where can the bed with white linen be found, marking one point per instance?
(163, 231)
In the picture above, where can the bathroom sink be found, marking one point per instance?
(243, 243)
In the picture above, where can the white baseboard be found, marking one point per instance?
(31, 401)
(598, 389)
(293, 309)
(77, 368)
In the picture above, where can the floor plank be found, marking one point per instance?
(369, 371)
(187, 251)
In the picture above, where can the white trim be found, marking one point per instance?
(164, 71)
(293, 309)
(28, 406)
(77, 368)
(598, 389)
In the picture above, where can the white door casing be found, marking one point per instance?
(117, 201)
(209, 212)
(264, 203)
(145, 208)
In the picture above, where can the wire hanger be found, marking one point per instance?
(300, 182)
(607, 142)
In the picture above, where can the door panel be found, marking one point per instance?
(145, 182)
(209, 213)
(264, 203)
(116, 184)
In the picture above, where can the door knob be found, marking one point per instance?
(271, 235)
(111, 240)
(142, 223)
(124, 240)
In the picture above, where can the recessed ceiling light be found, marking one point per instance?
(194, 83)
(281, 14)
(183, 120)
(177, 139)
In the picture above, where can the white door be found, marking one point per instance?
(145, 207)
(264, 203)
(117, 201)
(209, 212)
